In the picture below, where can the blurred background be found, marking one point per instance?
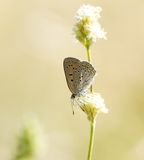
(35, 37)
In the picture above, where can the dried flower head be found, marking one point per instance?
(87, 29)
(91, 104)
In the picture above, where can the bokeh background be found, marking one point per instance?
(35, 37)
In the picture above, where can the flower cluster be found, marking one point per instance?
(29, 142)
(91, 104)
(87, 28)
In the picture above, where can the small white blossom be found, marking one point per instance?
(87, 28)
(91, 104)
(88, 11)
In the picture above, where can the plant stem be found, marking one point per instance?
(88, 54)
(92, 122)
(91, 141)
(89, 60)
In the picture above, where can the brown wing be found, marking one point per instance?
(84, 76)
(70, 66)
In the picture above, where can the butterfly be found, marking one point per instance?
(79, 75)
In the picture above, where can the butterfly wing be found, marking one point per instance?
(84, 76)
(70, 66)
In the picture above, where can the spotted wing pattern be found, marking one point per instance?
(79, 75)
(70, 65)
(84, 76)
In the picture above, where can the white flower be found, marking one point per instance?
(87, 28)
(91, 104)
(88, 11)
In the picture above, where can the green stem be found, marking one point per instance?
(89, 60)
(88, 54)
(92, 123)
(91, 141)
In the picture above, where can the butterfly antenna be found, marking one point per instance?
(72, 105)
